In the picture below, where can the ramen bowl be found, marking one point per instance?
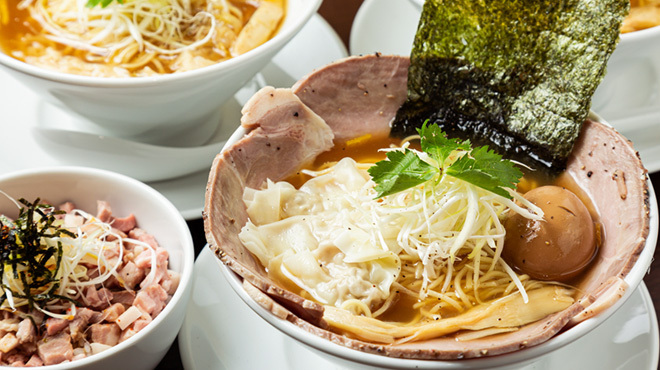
(629, 95)
(336, 93)
(350, 358)
(157, 108)
(154, 214)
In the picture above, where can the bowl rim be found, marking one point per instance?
(640, 36)
(187, 252)
(288, 30)
(520, 357)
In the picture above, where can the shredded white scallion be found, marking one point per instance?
(96, 246)
(104, 30)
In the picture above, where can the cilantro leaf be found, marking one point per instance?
(480, 166)
(104, 3)
(401, 170)
(486, 169)
(437, 145)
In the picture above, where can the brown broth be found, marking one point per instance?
(18, 31)
(363, 149)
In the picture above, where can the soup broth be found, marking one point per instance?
(643, 14)
(135, 37)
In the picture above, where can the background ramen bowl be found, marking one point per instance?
(349, 358)
(629, 95)
(156, 108)
(154, 213)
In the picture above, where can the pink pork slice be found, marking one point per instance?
(358, 96)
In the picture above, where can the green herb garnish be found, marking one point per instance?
(479, 166)
(104, 3)
(24, 256)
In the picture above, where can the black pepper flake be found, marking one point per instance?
(590, 173)
(267, 144)
(295, 114)
(385, 86)
(278, 148)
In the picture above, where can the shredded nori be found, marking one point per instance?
(27, 257)
(517, 75)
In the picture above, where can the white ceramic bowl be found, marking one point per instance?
(349, 358)
(156, 108)
(629, 95)
(154, 213)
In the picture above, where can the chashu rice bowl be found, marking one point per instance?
(285, 129)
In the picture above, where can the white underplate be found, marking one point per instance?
(21, 111)
(221, 332)
(389, 26)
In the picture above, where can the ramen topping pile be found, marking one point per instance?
(406, 249)
(75, 284)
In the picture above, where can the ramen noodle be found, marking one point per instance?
(643, 14)
(134, 37)
(419, 264)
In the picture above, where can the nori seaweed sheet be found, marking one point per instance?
(517, 75)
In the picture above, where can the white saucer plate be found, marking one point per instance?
(389, 26)
(22, 112)
(221, 332)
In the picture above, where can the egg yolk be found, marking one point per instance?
(556, 248)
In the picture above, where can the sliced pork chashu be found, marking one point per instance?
(360, 95)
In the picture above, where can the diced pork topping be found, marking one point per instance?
(55, 349)
(107, 334)
(108, 312)
(26, 332)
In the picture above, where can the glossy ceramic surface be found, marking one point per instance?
(154, 213)
(178, 172)
(156, 108)
(218, 333)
